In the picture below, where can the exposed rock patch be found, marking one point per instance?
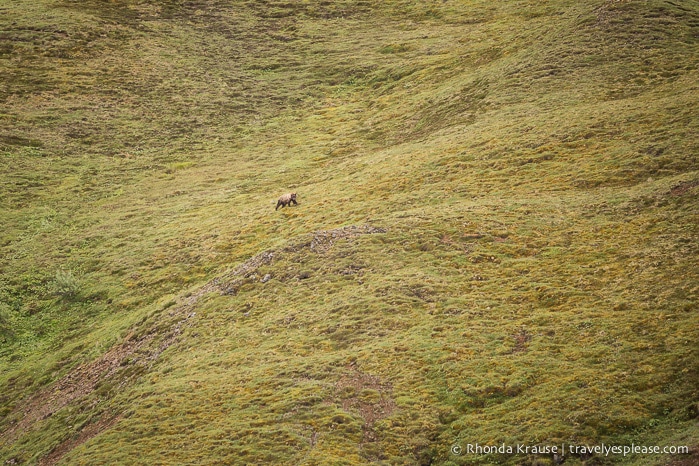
(323, 240)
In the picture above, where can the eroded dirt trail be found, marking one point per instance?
(126, 361)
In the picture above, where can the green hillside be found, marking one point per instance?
(496, 242)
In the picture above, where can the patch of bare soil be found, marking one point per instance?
(522, 340)
(683, 187)
(76, 384)
(120, 365)
(88, 432)
(366, 395)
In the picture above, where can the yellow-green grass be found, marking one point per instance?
(534, 167)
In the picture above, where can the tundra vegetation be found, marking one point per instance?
(520, 268)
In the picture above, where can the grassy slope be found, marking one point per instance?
(534, 166)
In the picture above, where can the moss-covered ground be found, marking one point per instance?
(496, 239)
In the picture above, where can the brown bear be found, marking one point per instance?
(286, 200)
